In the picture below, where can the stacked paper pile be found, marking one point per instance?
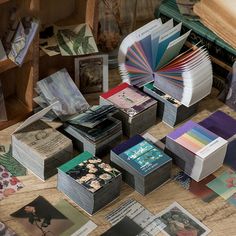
(144, 166)
(89, 182)
(151, 53)
(198, 151)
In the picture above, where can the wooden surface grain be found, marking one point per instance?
(218, 215)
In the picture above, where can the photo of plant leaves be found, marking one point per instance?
(75, 40)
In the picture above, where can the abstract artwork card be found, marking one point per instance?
(8, 183)
(3, 112)
(126, 227)
(75, 40)
(232, 200)
(180, 222)
(225, 184)
(82, 224)
(40, 218)
(199, 189)
(9, 162)
(6, 231)
(91, 73)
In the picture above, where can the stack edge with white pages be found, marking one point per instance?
(196, 150)
(39, 147)
(89, 182)
(151, 54)
(92, 128)
(143, 165)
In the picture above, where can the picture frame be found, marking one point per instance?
(91, 73)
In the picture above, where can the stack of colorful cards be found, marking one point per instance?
(196, 150)
(39, 147)
(151, 53)
(137, 111)
(89, 182)
(225, 126)
(92, 128)
(170, 110)
(144, 166)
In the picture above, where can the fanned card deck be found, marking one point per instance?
(151, 53)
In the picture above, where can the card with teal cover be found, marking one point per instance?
(144, 157)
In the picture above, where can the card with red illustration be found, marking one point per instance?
(8, 183)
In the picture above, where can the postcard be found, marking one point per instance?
(48, 42)
(91, 73)
(75, 40)
(82, 224)
(121, 228)
(40, 218)
(225, 184)
(8, 161)
(139, 214)
(180, 222)
(3, 112)
(6, 231)
(23, 38)
(232, 200)
(8, 183)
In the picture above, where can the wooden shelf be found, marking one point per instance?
(16, 111)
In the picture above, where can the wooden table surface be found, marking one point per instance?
(218, 215)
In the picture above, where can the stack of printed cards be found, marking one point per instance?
(39, 218)
(92, 128)
(136, 110)
(225, 126)
(144, 166)
(39, 147)
(196, 150)
(170, 110)
(151, 53)
(89, 182)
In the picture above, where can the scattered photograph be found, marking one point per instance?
(6, 231)
(75, 40)
(40, 218)
(3, 113)
(91, 73)
(8, 183)
(180, 222)
(3, 55)
(225, 184)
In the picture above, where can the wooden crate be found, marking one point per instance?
(18, 82)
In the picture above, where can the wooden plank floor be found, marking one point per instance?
(219, 216)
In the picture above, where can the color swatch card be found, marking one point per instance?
(128, 99)
(141, 155)
(8, 183)
(197, 139)
(151, 53)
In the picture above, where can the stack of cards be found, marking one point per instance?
(196, 150)
(137, 111)
(89, 182)
(225, 126)
(143, 165)
(170, 110)
(92, 128)
(39, 147)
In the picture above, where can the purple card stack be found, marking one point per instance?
(224, 126)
